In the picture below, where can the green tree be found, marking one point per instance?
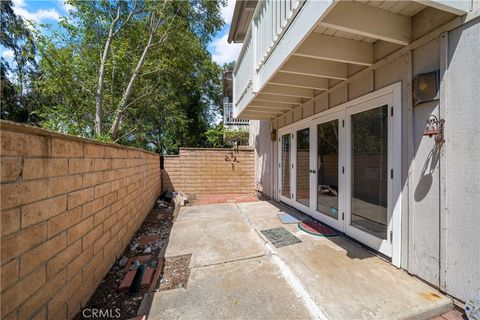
(215, 136)
(101, 74)
(134, 72)
(16, 79)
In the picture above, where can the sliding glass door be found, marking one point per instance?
(285, 165)
(327, 168)
(303, 167)
(329, 184)
(339, 169)
(369, 174)
(369, 170)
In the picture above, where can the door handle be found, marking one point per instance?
(312, 171)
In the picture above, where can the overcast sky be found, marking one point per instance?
(50, 11)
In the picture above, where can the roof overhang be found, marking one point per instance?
(242, 16)
(341, 40)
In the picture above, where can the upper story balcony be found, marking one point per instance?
(295, 50)
(229, 120)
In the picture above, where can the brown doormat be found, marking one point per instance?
(280, 237)
(176, 272)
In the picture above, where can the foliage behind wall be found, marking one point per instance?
(132, 72)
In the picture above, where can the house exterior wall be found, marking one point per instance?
(433, 249)
(69, 206)
(264, 165)
(198, 170)
(425, 178)
(461, 177)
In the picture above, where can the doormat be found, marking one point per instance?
(289, 218)
(317, 228)
(280, 237)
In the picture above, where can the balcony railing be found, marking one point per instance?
(243, 72)
(228, 118)
(270, 21)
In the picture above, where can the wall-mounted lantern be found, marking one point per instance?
(273, 135)
(435, 128)
(425, 87)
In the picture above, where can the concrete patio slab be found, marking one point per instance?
(237, 273)
(208, 211)
(216, 234)
(248, 289)
(345, 278)
(202, 199)
(264, 216)
(349, 282)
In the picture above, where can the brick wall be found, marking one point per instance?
(69, 206)
(210, 171)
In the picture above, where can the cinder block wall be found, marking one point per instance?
(69, 206)
(200, 171)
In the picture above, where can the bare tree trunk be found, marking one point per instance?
(154, 24)
(122, 106)
(103, 61)
(101, 75)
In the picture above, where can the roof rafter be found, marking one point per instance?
(316, 68)
(279, 99)
(300, 81)
(336, 49)
(287, 91)
(369, 21)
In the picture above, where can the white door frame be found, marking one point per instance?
(390, 94)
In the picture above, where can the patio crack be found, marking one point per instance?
(232, 261)
(315, 310)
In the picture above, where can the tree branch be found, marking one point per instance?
(101, 75)
(126, 134)
(154, 23)
(132, 12)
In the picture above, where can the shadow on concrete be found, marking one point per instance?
(347, 243)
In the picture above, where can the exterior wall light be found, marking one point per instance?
(425, 87)
(273, 135)
(435, 128)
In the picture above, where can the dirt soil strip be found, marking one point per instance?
(147, 301)
(176, 272)
(107, 296)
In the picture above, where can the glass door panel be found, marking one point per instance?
(369, 171)
(303, 167)
(327, 168)
(286, 164)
